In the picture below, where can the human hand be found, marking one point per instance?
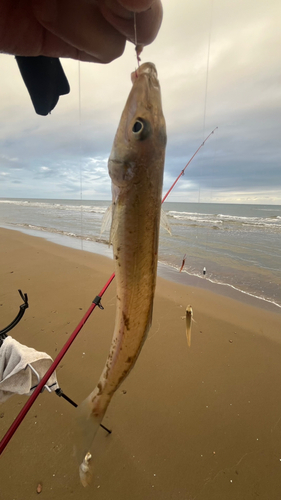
(88, 30)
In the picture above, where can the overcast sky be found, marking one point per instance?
(62, 156)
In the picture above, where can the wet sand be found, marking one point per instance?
(198, 423)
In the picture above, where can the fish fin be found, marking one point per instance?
(164, 222)
(113, 231)
(106, 220)
(114, 223)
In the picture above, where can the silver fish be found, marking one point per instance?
(136, 168)
(85, 471)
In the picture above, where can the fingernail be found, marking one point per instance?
(45, 10)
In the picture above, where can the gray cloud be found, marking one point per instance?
(241, 94)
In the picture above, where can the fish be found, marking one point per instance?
(188, 323)
(85, 471)
(136, 166)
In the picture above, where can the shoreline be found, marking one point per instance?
(218, 288)
(165, 271)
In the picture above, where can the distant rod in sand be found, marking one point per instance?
(136, 167)
(183, 262)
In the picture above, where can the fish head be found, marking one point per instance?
(141, 136)
(189, 311)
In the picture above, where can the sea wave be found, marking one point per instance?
(52, 230)
(273, 221)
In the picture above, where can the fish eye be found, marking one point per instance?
(137, 127)
(141, 129)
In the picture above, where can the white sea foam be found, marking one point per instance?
(273, 221)
(56, 206)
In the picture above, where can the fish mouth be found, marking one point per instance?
(145, 69)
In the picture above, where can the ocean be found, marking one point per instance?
(239, 245)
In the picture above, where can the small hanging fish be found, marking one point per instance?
(188, 323)
(85, 472)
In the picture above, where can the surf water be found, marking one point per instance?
(238, 244)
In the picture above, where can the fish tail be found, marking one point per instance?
(87, 425)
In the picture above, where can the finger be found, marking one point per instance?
(82, 26)
(148, 22)
(52, 46)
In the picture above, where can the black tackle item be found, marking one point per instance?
(45, 81)
(60, 393)
(97, 301)
(23, 307)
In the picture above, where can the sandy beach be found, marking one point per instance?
(192, 423)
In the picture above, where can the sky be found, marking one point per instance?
(219, 65)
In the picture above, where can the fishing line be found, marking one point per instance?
(205, 112)
(206, 91)
(80, 154)
(210, 230)
(138, 48)
(206, 86)
(135, 29)
(207, 70)
(206, 95)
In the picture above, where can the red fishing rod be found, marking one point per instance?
(96, 302)
(9, 434)
(182, 172)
